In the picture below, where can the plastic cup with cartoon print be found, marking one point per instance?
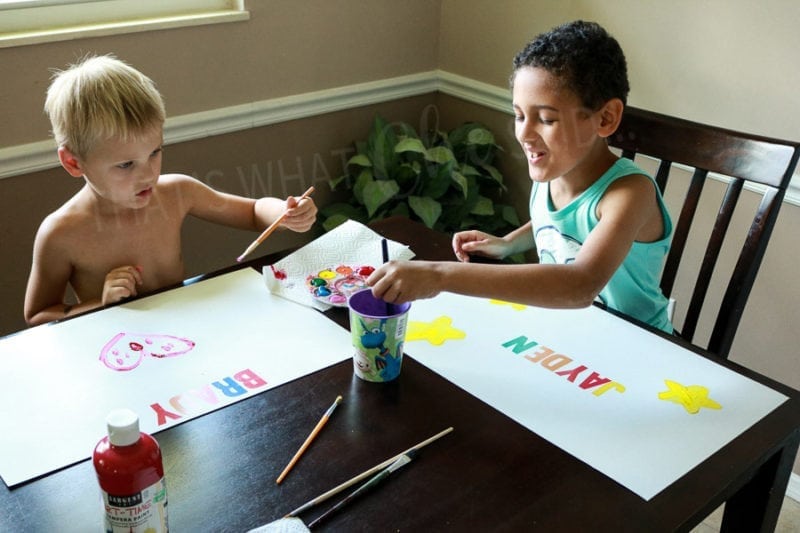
(378, 331)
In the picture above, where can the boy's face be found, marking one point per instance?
(556, 132)
(125, 172)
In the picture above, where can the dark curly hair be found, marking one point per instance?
(585, 57)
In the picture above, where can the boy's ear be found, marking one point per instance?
(70, 162)
(610, 117)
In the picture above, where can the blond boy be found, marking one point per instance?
(120, 235)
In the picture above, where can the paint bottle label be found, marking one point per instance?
(143, 511)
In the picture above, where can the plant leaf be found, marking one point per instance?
(380, 148)
(410, 144)
(494, 174)
(510, 215)
(439, 154)
(435, 181)
(362, 180)
(408, 176)
(336, 181)
(334, 220)
(359, 159)
(460, 181)
(378, 192)
(483, 207)
(469, 170)
(400, 209)
(427, 209)
(480, 135)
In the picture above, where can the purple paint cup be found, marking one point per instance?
(378, 331)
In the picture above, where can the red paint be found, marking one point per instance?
(131, 477)
(279, 274)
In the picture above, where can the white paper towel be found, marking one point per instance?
(350, 243)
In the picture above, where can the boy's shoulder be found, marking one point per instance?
(68, 222)
(179, 183)
(176, 179)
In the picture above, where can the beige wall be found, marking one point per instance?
(724, 62)
(285, 48)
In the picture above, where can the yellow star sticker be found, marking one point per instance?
(436, 332)
(515, 307)
(691, 397)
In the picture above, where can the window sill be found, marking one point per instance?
(116, 28)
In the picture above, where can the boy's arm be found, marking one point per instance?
(627, 208)
(239, 211)
(47, 283)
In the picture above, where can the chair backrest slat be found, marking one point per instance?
(681, 234)
(745, 271)
(662, 174)
(739, 157)
(715, 241)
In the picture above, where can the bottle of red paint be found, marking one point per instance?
(131, 476)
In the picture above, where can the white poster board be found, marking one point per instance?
(169, 357)
(631, 404)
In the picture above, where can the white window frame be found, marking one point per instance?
(24, 22)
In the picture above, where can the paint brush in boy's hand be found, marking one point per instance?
(272, 227)
(385, 253)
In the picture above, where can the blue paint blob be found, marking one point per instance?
(322, 292)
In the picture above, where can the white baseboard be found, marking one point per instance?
(793, 490)
(41, 155)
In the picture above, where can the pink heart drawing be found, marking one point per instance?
(126, 350)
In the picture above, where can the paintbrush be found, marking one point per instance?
(374, 481)
(310, 438)
(272, 227)
(385, 252)
(350, 482)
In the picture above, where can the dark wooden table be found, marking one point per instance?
(489, 474)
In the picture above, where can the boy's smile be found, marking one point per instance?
(555, 131)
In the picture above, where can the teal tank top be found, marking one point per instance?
(634, 288)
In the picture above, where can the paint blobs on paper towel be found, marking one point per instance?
(691, 397)
(126, 351)
(333, 286)
(436, 332)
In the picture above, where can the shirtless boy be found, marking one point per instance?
(120, 235)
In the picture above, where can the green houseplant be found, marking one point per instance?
(447, 180)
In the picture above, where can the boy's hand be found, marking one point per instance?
(121, 283)
(300, 215)
(403, 281)
(478, 243)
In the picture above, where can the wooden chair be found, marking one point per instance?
(764, 165)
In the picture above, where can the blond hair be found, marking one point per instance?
(98, 98)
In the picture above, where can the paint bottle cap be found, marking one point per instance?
(123, 427)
